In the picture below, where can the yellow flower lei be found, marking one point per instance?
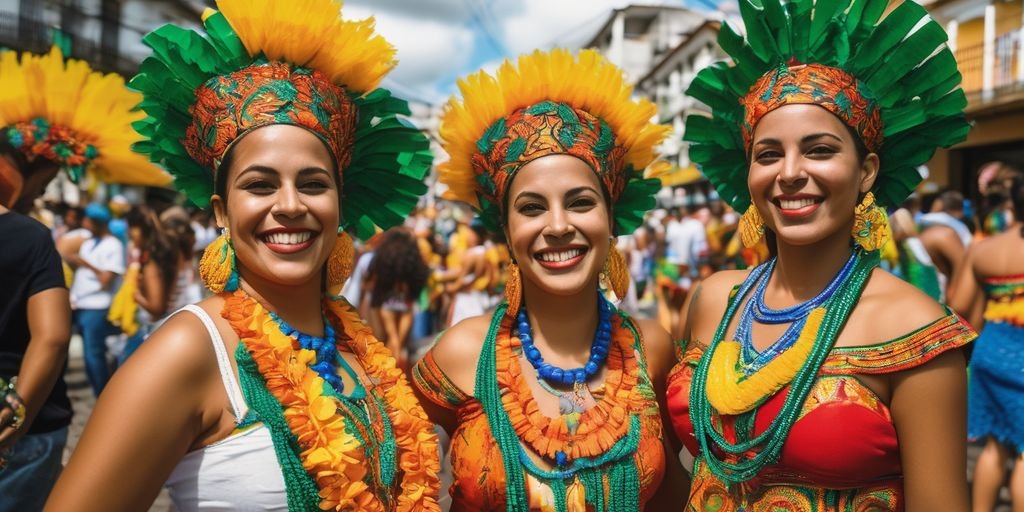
(329, 454)
(731, 392)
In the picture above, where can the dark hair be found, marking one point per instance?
(1017, 197)
(397, 268)
(181, 233)
(157, 245)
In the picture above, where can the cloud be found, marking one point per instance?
(545, 23)
(430, 50)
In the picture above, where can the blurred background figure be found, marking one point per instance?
(990, 294)
(913, 264)
(34, 334)
(150, 282)
(98, 265)
(395, 278)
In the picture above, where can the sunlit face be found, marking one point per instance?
(558, 224)
(805, 175)
(282, 205)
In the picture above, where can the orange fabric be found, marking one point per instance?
(478, 470)
(817, 84)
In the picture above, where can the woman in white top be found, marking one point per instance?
(271, 394)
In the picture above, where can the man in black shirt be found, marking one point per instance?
(34, 333)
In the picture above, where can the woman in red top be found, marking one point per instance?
(816, 381)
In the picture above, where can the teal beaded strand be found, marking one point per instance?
(839, 308)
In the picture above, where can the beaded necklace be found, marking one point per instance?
(592, 469)
(796, 316)
(336, 452)
(598, 349)
(738, 465)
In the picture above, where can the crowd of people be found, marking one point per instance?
(307, 332)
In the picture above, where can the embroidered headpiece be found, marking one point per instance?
(830, 88)
(549, 103)
(891, 79)
(299, 63)
(63, 111)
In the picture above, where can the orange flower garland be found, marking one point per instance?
(334, 458)
(600, 427)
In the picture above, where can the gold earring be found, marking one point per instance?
(616, 272)
(339, 263)
(870, 224)
(217, 266)
(751, 227)
(513, 290)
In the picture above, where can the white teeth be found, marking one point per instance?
(555, 257)
(289, 238)
(795, 204)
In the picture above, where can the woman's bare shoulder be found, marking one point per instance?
(457, 351)
(889, 308)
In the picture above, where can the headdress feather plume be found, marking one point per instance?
(96, 107)
(900, 55)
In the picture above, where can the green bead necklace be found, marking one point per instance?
(772, 439)
(617, 464)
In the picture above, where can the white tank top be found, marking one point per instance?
(238, 473)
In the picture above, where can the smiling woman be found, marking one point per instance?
(816, 381)
(272, 394)
(550, 400)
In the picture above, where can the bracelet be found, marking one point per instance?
(11, 400)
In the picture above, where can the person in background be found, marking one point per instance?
(151, 277)
(396, 277)
(35, 329)
(119, 209)
(989, 292)
(98, 265)
(914, 264)
(41, 134)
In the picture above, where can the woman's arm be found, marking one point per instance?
(929, 410)
(151, 294)
(145, 421)
(49, 324)
(660, 352)
(964, 294)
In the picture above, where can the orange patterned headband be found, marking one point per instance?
(227, 107)
(547, 128)
(831, 88)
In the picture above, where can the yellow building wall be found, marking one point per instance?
(970, 38)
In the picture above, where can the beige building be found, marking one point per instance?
(986, 37)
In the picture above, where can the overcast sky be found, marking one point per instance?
(441, 40)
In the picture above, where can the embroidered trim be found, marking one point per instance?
(903, 353)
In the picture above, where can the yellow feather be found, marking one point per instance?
(98, 108)
(349, 53)
(586, 81)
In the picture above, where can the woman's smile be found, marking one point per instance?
(558, 258)
(288, 241)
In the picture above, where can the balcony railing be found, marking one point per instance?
(1006, 71)
(26, 34)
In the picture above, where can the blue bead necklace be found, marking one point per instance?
(327, 356)
(598, 349)
(796, 316)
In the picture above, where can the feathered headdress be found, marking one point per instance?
(891, 79)
(63, 111)
(296, 62)
(550, 103)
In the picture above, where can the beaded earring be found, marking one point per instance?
(513, 290)
(339, 263)
(870, 224)
(217, 266)
(615, 271)
(751, 227)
